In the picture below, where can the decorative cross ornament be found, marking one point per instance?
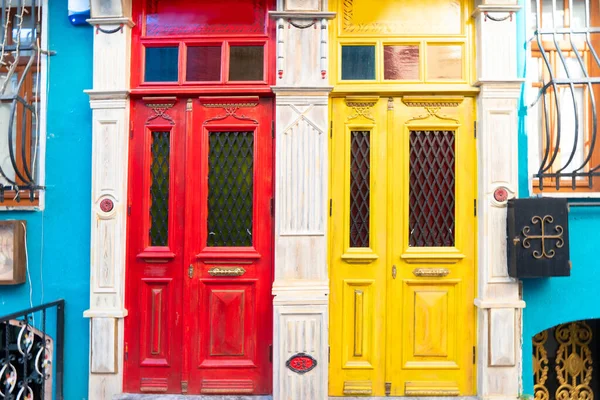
(543, 236)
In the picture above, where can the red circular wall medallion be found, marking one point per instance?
(301, 363)
(107, 205)
(501, 194)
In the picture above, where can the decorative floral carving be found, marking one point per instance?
(361, 109)
(433, 106)
(231, 111)
(160, 111)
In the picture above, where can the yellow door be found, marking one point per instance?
(402, 246)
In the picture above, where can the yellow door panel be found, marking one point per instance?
(358, 324)
(357, 271)
(429, 338)
(433, 246)
(402, 231)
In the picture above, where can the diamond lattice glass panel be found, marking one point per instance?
(230, 188)
(159, 189)
(432, 197)
(360, 188)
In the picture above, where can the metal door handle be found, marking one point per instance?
(191, 271)
(394, 271)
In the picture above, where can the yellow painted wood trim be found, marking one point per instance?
(359, 258)
(432, 255)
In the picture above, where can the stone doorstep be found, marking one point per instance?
(131, 396)
(128, 396)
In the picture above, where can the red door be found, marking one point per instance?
(200, 246)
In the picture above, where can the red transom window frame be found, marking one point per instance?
(239, 51)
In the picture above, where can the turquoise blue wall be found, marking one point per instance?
(552, 301)
(59, 237)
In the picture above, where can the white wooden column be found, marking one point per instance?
(109, 100)
(301, 285)
(499, 305)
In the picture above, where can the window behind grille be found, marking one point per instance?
(564, 71)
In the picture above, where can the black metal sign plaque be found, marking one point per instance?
(538, 238)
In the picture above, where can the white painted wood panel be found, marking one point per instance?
(110, 140)
(103, 346)
(499, 305)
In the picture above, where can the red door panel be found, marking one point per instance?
(199, 270)
(155, 247)
(230, 245)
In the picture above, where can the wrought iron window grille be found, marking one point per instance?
(21, 44)
(554, 166)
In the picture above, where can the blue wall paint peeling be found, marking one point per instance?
(59, 238)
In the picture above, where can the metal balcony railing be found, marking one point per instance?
(32, 353)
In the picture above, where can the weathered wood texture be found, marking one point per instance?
(499, 306)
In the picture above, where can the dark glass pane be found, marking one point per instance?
(401, 62)
(358, 62)
(230, 188)
(159, 189)
(203, 63)
(162, 64)
(360, 188)
(246, 63)
(431, 208)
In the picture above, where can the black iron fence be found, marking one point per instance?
(31, 353)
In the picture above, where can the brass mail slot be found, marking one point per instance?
(431, 272)
(226, 271)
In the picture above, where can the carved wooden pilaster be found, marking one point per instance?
(499, 305)
(301, 284)
(109, 100)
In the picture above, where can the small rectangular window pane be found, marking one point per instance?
(444, 62)
(162, 64)
(246, 63)
(24, 35)
(559, 14)
(360, 188)
(159, 189)
(431, 189)
(401, 62)
(567, 130)
(358, 62)
(532, 17)
(578, 14)
(230, 188)
(573, 66)
(203, 63)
